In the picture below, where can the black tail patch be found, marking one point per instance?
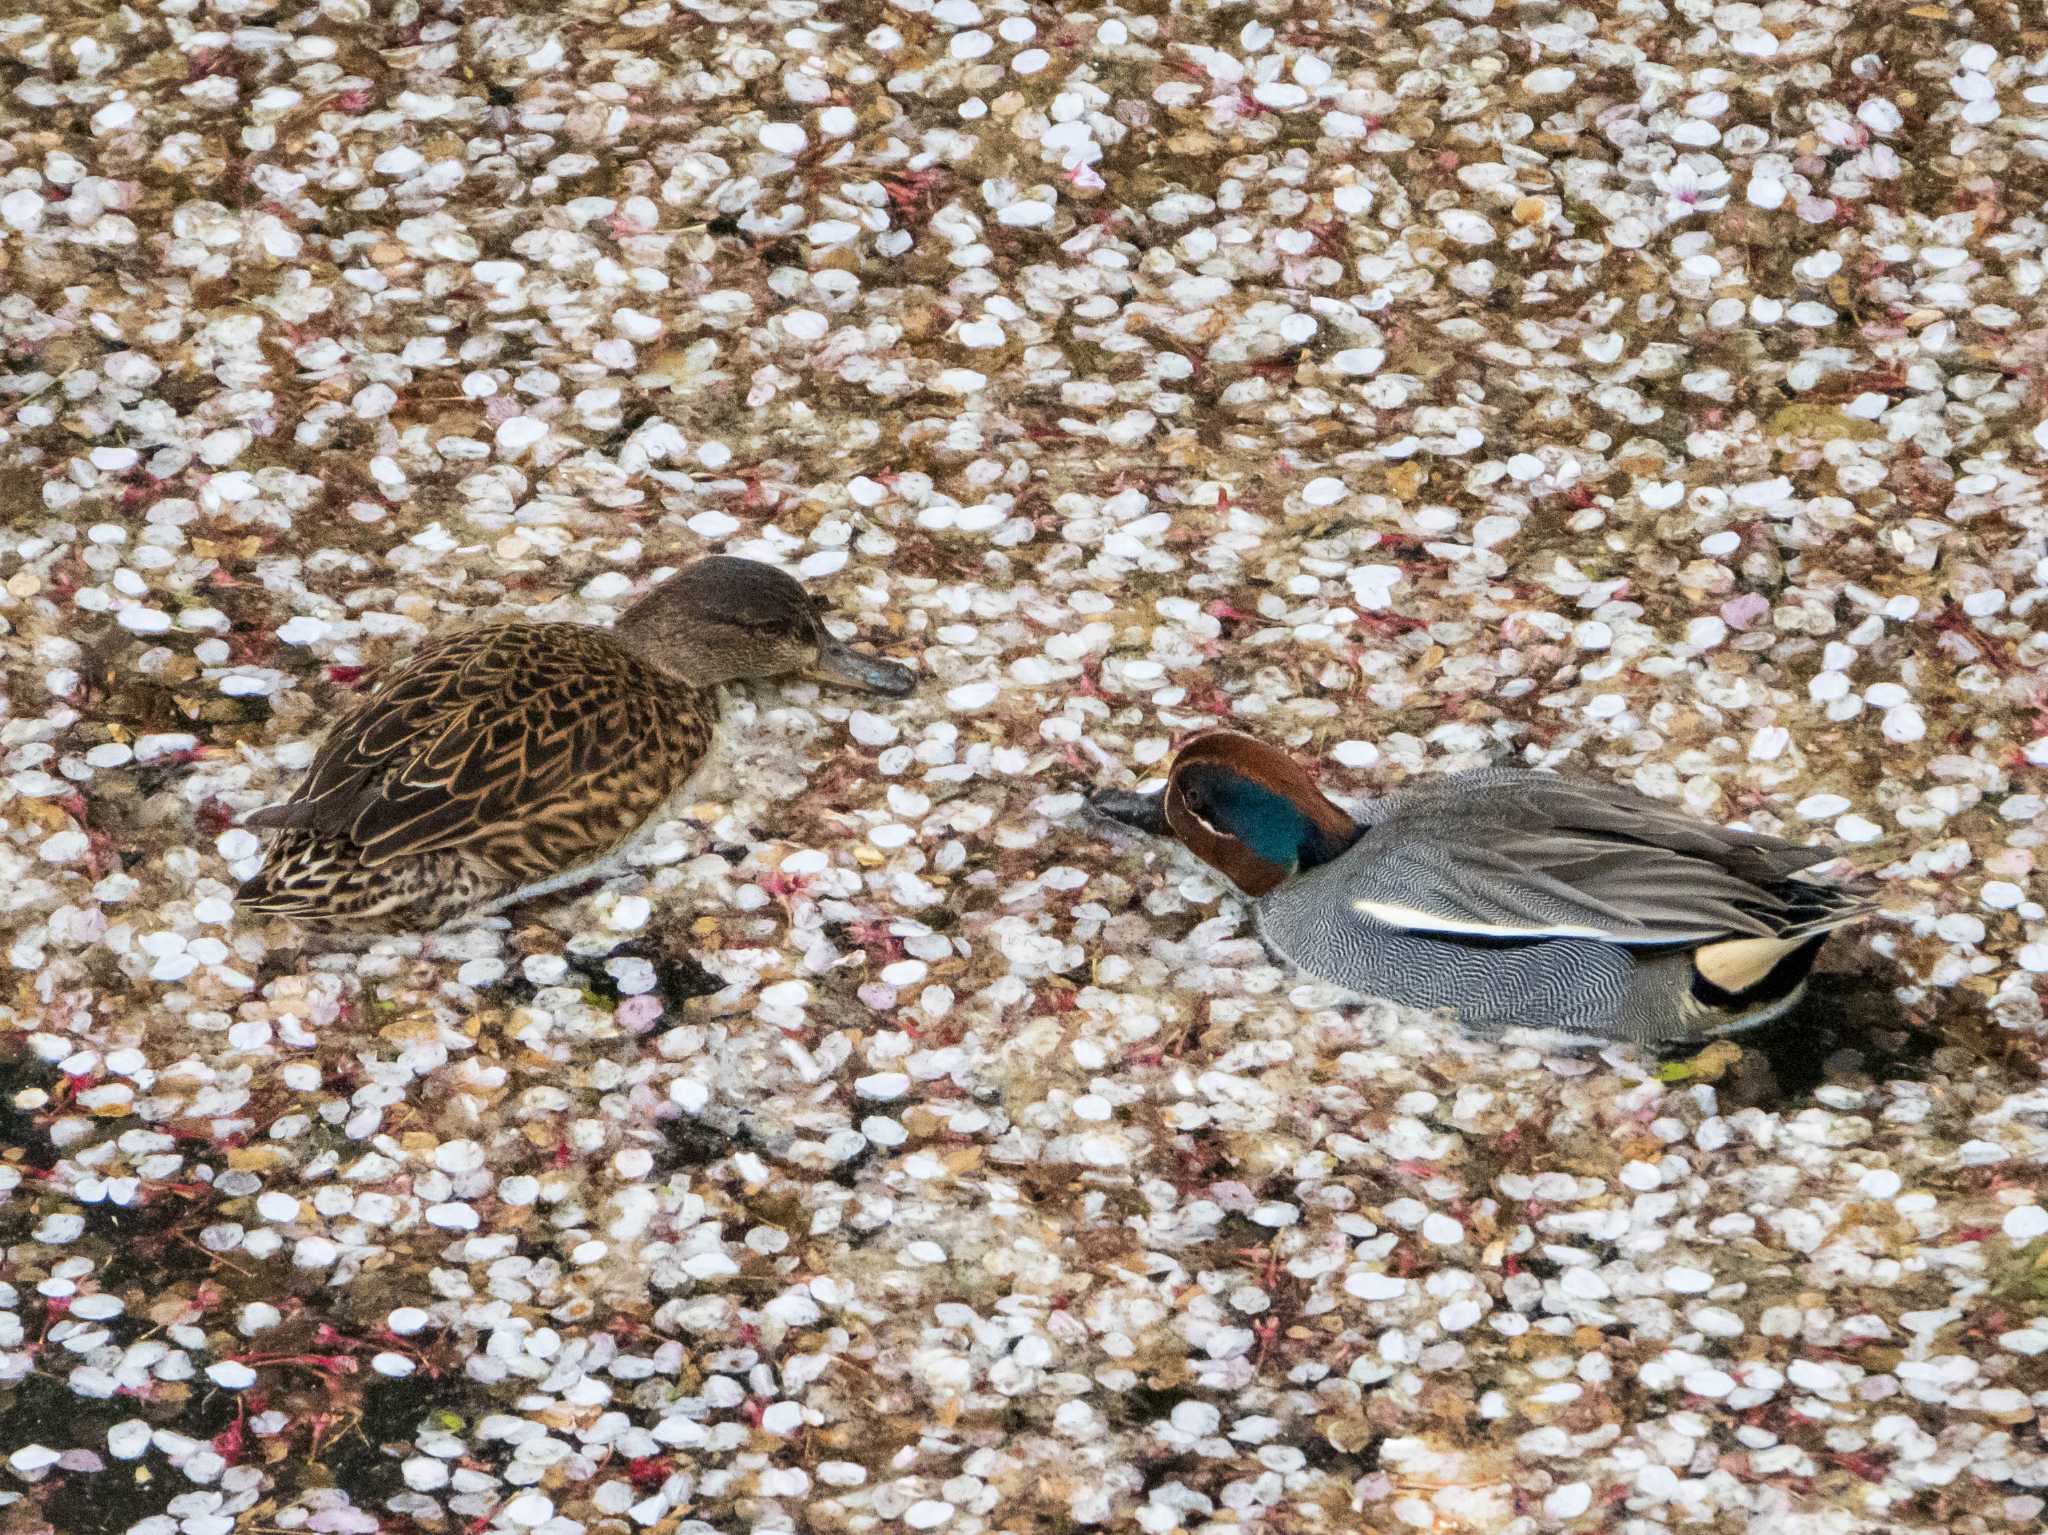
(1784, 978)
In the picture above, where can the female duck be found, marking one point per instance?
(504, 762)
(1508, 896)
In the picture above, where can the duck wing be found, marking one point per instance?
(1537, 856)
(529, 746)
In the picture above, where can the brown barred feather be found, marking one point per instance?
(319, 882)
(500, 760)
(495, 757)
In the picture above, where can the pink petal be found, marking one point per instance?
(638, 1012)
(1741, 612)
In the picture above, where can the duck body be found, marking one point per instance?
(496, 758)
(509, 760)
(1510, 897)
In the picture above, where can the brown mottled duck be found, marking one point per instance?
(512, 760)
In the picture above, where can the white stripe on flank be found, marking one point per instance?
(1423, 921)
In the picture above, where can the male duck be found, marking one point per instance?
(511, 760)
(1507, 895)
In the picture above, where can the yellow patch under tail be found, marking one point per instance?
(1739, 964)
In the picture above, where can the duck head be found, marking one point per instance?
(724, 619)
(1246, 809)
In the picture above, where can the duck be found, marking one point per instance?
(507, 761)
(1508, 897)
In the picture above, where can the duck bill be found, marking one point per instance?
(1142, 812)
(846, 667)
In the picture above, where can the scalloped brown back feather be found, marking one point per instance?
(319, 882)
(497, 756)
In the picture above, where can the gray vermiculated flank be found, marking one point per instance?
(1508, 846)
